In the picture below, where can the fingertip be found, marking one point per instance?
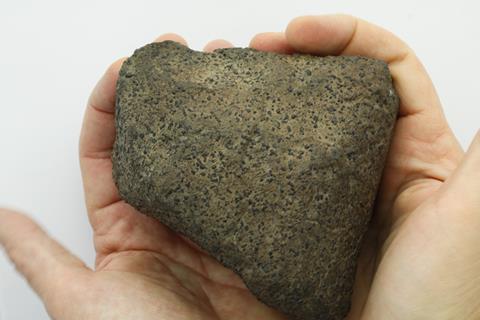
(217, 44)
(8, 216)
(173, 37)
(12, 224)
(271, 41)
(115, 66)
(323, 35)
(4, 212)
(38, 257)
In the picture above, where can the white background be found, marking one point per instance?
(52, 53)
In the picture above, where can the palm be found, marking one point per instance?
(161, 270)
(149, 285)
(406, 212)
(421, 234)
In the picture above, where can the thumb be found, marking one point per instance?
(458, 211)
(464, 184)
(48, 267)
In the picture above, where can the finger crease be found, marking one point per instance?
(103, 111)
(97, 155)
(399, 58)
(352, 37)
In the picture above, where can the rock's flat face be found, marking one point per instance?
(269, 162)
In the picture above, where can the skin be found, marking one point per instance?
(420, 258)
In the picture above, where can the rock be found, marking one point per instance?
(269, 162)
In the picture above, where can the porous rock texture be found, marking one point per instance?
(269, 162)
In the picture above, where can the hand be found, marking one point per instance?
(143, 270)
(421, 256)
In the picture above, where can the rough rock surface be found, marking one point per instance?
(269, 162)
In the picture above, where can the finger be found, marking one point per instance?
(217, 44)
(172, 36)
(98, 135)
(271, 41)
(41, 260)
(343, 34)
(96, 141)
(98, 131)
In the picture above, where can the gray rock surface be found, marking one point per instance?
(269, 162)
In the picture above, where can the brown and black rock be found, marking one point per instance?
(269, 162)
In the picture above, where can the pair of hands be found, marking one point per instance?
(420, 258)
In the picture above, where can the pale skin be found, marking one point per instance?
(420, 258)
